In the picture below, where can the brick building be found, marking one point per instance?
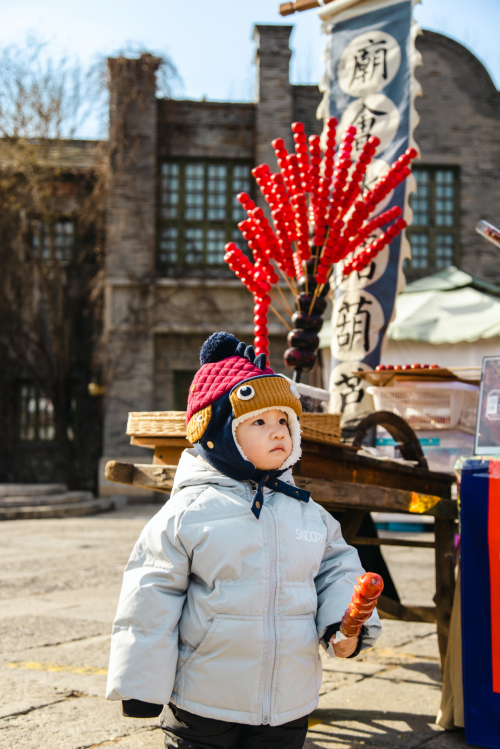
(198, 155)
(177, 166)
(48, 321)
(458, 175)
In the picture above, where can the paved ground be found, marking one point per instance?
(59, 584)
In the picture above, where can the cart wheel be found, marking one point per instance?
(398, 428)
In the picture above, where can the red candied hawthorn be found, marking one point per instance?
(363, 601)
(318, 205)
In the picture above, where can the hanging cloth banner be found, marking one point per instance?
(369, 84)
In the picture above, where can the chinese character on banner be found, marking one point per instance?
(367, 58)
(369, 84)
(353, 321)
(368, 63)
(357, 318)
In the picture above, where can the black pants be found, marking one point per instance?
(184, 730)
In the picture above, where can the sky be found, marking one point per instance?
(210, 41)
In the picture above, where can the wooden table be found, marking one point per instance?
(344, 482)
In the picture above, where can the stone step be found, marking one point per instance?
(76, 509)
(30, 490)
(48, 499)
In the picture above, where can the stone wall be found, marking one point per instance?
(459, 126)
(131, 245)
(131, 200)
(203, 129)
(306, 100)
(274, 93)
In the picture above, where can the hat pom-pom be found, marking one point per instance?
(218, 347)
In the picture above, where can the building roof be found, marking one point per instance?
(76, 155)
(448, 307)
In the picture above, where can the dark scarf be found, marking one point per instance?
(271, 481)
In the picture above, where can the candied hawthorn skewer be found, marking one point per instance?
(363, 601)
(365, 257)
(318, 216)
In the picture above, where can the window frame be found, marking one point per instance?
(37, 425)
(228, 225)
(432, 230)
(73, 414)
(44, 228)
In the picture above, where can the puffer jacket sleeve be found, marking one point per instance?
(144, 642)
(335, 581)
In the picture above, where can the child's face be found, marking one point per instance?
(265, 440)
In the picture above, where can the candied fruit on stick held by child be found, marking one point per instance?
(363, 601)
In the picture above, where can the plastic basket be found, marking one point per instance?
(442, 448)
(313, 400)
(468, 414)
(429, 408)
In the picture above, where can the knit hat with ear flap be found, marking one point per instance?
(231, 386)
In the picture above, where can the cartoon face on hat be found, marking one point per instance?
(232, 385)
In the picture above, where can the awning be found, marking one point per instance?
(448, 307)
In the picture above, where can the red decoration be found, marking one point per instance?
(363, 601)
(319, 210)
(384, 367)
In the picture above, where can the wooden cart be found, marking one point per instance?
(349, 485)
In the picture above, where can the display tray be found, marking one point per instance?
(387, 376)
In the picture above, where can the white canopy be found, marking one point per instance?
(447, 307)
(449, 318)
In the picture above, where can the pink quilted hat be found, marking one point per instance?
(215, 379)
(231, 385)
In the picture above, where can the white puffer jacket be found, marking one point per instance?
(221, 613)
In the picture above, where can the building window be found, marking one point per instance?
(182, 382)
(420, 251)
(55, 241)
(435, 232)
(36, 415)
(199, 212)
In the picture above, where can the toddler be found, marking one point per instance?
(232, 586)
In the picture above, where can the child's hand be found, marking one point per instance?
(344, 648)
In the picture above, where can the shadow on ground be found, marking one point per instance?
(353, 728)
